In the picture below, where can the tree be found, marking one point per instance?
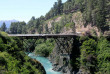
(101, 15)
(2, 45)
(60, 6)
(33, 18)
(3, 27)
(80, 4)
(46, 28)
(103, 56)
(88, 50)
(55, 9)
(40, 29)
(69, 0)
(88, 11)
(37, 23)
(57, 28)
(13, 28)
(18, 27)
(23, 24)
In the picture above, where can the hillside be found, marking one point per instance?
(70, 17)
(69, 24)
(13, 59)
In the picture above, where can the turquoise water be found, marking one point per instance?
(45, 62)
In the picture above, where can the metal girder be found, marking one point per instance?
(64, 44)
(63, 41)
(28, 44)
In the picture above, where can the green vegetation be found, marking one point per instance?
(70, 25)
(44, 48)
(13, 60)
(3, 27)
(94, 12)
(94, 55)
(88, 55)
(103, 56)
(18, 28)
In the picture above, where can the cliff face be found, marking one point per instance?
(60, 60)
(64, 55)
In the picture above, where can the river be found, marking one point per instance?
(45, 62)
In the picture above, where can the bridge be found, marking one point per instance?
(34, 36)
(63, 41)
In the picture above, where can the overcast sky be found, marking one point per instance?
(23, 10)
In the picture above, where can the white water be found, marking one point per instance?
(45, 62)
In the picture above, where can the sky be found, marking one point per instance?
(23, 10)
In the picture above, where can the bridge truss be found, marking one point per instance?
(63, 41)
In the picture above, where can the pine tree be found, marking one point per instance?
(101, 15)
(3, 27)
(55, 8)
(46, 28)
(60, 9)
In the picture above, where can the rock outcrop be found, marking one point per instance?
(60, 60)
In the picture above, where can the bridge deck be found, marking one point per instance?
(43, 35)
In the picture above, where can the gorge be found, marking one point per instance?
(88, 52)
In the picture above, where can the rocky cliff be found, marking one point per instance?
(64, 55)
